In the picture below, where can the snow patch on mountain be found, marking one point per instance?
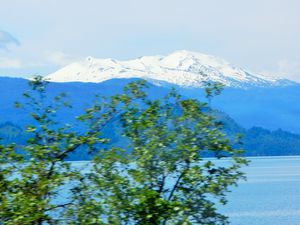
(183, 68)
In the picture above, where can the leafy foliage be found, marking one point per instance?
(164, 178)
(31, 182)
(161, 179)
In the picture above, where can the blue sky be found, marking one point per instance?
(38, 37)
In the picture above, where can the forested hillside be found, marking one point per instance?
(257, 141)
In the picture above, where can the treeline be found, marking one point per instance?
(257, 141)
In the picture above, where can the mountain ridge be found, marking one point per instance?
(182, 68)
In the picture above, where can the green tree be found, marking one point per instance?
(160, 177)
(164, 178)
(33, 177)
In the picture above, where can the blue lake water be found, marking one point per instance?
(270, 196)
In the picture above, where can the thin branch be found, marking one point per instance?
(59, 206)
(179, 179)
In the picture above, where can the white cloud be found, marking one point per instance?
(289, 69)
(59, 58)
(6, 63)
(251, 34)
(285, 68)
(7, 39)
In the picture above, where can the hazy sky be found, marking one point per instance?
(38, 37)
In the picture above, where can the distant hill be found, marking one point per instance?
(256, 141)
(271, 108)
(260, 114)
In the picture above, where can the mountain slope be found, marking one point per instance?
(183, 68)
(256, 141)
(271, 108)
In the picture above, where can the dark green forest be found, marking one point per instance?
(257, 141)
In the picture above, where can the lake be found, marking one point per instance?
(271, 194)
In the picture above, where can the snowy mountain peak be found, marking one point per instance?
(183, 68)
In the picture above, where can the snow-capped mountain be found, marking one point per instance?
(183, 68)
